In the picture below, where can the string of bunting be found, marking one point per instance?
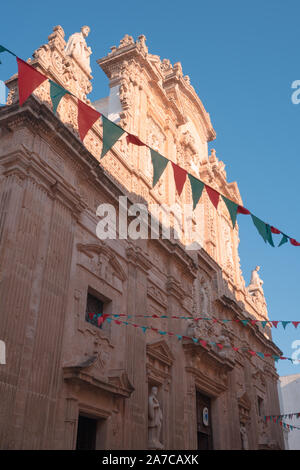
(29, 79)
(205, 343)
(285, 416)
(289, 427)
(245, 322)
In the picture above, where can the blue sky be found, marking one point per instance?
(242, 58)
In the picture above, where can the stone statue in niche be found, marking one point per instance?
(244, 437)
(154, 420)
(256, 282)
(203, 299)
(77, 48)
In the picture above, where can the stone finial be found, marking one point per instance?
(178, 69)
(213, 156)
(142, 43)
(126, 41)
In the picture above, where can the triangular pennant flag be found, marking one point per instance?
(203, 343)
(3, 49)
(159, 164)
(87, 116)
(179, 177)
(111, 133)
(179, 336)
(263, 323)
(252, 352)
(197, 188)
(195, 340)
(294, 242)
(260, 354)
(28, 80)
(232, 209)
(283, 240)
(243, 210)
(269, 235)
(133, 139)
(253, 322)
(144, 328)
(295, 323)
(285, 323)
(261, 227)
(275, 323)
(213, 195)
(56, 94)
(275, 230)
(245, 322)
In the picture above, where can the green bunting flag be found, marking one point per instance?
(56, 94)
(269, 235)
(3, 49)
(197, 188)
(159, 164)
(263, 229)
(283, 240)
(111, 133)
(232, 209)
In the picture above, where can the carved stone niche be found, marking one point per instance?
(244, 404)
(159, 363)
(100, 260)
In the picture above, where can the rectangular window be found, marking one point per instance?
(94, 310)
(260, 406)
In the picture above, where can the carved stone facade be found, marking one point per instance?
(60, 367)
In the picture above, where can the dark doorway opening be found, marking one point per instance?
(204, 428)
(86, 433)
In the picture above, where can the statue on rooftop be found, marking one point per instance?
(78, 49)
(256, 282)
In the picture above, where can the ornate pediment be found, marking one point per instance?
(102, 261)
(161, 352)
(90, 373)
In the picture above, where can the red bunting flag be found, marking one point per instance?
(252, 352)
(133, 139)
(274, 323)
(213, 195)
(295, 323)
(220, 345)
(204, 343)
(28, 80)
(275, 230)
(253, 322)
(179, 177)
(87, 116)
(102, 318)
(243, 210)
(294, 242)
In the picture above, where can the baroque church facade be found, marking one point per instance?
(69, 383)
